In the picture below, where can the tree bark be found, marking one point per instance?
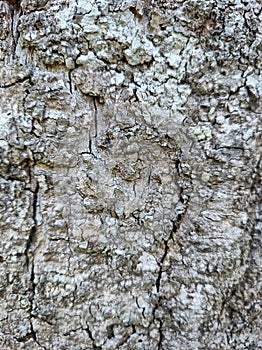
(129, 174)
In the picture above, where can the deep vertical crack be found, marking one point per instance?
(70, 81)
(15, 9)
(30, 256)
(175, 227)
(92, 138)
(95, 114)
(163, 258)
(176, 224)
(88, 331)
(31, 237)
(160, 341)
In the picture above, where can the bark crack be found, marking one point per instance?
(15, 9)
(162, 260)
(95, 115)
(14, 83)
(70, 81)
(184, 199)
(88, 331)
(34, 187)
(176, 224)
(30, 241)
(160, 341)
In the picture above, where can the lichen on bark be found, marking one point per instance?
(130, 174)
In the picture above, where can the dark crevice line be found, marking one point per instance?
(175, 227)
(95, 107)
(176, 224)
(13, 84)
(70, 81)
(87, 329)
(29, 254)
(31, 306)
(160, 341)
(34, 228)
(166, 248)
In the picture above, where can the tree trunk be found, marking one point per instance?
(130, 160)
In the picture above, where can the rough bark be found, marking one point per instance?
(129, 174)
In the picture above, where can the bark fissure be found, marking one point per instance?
(31, 238)
(95, 116)
(14, 83)
(160, 341)
(88, 331)
(15, 10)
(70, 81)
(162, 260)
(29, 251)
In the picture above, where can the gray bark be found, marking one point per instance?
(129, 174)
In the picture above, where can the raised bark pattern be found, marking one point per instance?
(130, 174)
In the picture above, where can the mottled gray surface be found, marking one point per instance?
(129, 174)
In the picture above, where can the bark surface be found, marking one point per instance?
(129, 174)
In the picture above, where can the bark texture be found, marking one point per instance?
(129, 174)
